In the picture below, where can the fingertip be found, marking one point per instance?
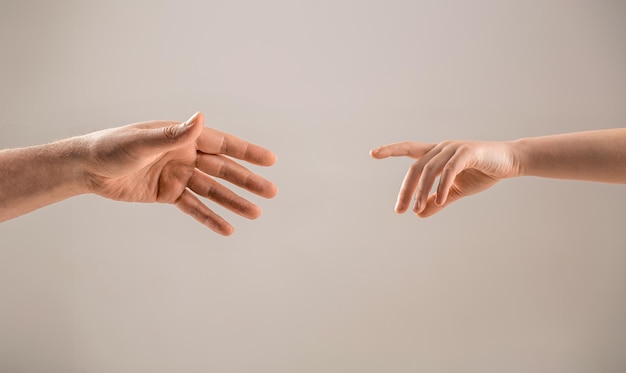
(272, 158)
(430, 208)
(440, 200)
(265, 160)
(421, 215)
(416, 211)
(400, 207)
(273, 191)
(192, 127)
(427, 213)
(378, 153)
(255, 213)
(199, 117)
(269, 190)
(227, 230)
(196, 118)
(418, 207)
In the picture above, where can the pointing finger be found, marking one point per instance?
(402, 149)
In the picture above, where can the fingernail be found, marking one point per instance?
(416, 208)
(191, 120)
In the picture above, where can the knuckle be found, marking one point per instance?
(222, 170)
(224, 145)
(428, 169)
(415, 167)
(236, 203)
(195, 211)
(212, 223)
(170, 132)
(211, 191)
(250, 183)
(464, 148)
(449, 167)
(245, 152)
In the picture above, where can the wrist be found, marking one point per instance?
(69, 162)
(519, 154)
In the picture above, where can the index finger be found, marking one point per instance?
(402, 149)
(212, 141)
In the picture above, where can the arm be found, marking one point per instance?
(468, 167)
(593, 156)
(34, 177)
(160, 161)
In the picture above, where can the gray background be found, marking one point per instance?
(528, 277)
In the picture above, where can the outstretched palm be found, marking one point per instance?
(166, 161)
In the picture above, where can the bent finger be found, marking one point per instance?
(231, 171)
(191, 205)
(411, 180)
(431, 170)
(455, 165)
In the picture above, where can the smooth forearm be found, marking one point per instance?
(593, 156)
(37, 176)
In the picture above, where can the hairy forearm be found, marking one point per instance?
(37, 176)
(593, 156)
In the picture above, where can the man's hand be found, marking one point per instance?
(168, 162)
(464, 168)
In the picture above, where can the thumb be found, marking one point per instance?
(431, 204)
(432, 207)
(172, 136)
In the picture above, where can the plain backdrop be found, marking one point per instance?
(527, 277)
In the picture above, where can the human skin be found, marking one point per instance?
(469, 167)
(158, 161)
